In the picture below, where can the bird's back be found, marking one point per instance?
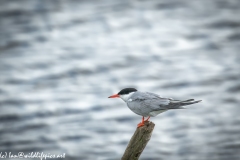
(151, 104)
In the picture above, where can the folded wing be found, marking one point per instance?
(153, 102)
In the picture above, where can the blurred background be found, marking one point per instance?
(61, 59)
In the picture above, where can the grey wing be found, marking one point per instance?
(154, 102)
(151, 101)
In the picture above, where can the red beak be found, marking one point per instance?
(114, 96)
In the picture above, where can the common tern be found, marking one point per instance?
(149, 104)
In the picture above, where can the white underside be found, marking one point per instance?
(155, 113)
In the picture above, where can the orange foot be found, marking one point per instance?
(142, 123)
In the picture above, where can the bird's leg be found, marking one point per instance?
(141, 123)
(147, 119)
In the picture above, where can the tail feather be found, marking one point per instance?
(188, 102)
(179, 104)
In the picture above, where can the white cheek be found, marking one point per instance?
(126, 96)
(130, 100)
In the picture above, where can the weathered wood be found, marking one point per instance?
(138, 141)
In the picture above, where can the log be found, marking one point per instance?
(138, 141)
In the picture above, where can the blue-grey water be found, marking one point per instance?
(60, 60)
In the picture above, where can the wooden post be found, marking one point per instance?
(138, 141)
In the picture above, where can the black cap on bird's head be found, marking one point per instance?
(123, 92)
(126, 91)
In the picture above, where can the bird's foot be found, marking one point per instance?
(140, 124)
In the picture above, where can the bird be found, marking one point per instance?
(148, 104)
